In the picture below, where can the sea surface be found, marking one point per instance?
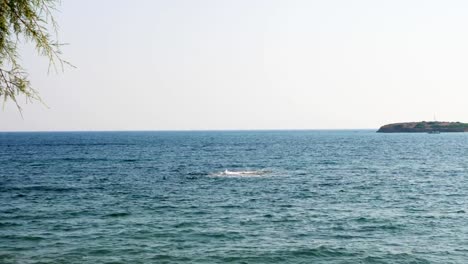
(233, 197)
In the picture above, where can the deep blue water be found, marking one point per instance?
(287, 197)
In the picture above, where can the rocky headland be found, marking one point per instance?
(424, 127)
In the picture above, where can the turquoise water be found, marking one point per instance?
(233, 197)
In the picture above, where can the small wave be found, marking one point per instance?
(319, 252)
(8, 224)
(39, 188)
(184, 224)
(118, 214)
(397, 258)
(241, 173)
(24, 238)
(129, 160)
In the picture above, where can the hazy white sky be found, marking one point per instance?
(251, 64)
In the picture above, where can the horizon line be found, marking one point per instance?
(187, 130)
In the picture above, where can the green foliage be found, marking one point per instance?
(420, 125)
(25, 20)
(458, 125)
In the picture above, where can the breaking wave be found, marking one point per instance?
(241, 173)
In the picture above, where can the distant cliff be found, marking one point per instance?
(421, 127)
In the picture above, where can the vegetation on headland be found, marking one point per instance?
(421, 127)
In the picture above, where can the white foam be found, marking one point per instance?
(241, 173)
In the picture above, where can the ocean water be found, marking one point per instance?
(233, 197)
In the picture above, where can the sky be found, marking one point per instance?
(249, 64)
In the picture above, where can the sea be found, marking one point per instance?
(337, 196)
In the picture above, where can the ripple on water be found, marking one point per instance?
(118, 214)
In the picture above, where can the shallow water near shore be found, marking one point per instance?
(233, 197)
